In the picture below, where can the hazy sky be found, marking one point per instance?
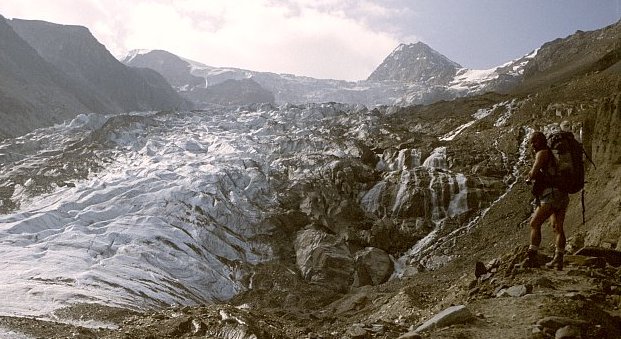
(338, 39)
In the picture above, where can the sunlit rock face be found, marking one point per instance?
(153, 209)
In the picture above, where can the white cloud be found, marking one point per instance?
(318, 38)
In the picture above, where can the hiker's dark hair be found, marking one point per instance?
(539, 141)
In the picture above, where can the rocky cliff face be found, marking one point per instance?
(77, 53)
(603, 201)
(33, 93)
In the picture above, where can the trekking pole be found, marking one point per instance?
(583, 219)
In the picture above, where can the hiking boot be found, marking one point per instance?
(557, 261)
(531, 259)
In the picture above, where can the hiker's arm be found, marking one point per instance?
(540, 159)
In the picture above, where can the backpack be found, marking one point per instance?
(567, 151)
(569, 163)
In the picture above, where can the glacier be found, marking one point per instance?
(149, 209)
(154, 209)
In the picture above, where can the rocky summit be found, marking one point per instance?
(421, 64)
(318, 220)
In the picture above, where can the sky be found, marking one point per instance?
(326, 39)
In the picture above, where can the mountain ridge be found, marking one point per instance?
(176, 70)
(75, 51)
(82, 77)
(33, 93)
(411, 74)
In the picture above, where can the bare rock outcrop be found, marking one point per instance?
(324, 259)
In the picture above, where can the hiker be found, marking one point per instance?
(551, 202)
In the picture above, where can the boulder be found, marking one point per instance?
(611, 256)
(410, 335)
(586, 261)
(324, 259)
(479, 269)
(568, 332)
(515, 291)
(373, 266)
(357, 331)
(554, 322)
(450, 316)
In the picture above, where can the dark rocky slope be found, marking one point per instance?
(576, 55)
(176, 70)
(231, 92)
(78, 54)
(33, 93)
(55, 72)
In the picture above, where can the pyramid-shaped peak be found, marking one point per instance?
(415, 62)
(414, 45)
(420, 49)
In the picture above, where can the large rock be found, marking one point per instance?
(554, 322)
(373, 266)
(583, 260)
(611, 256)
(452, 315)
(324, 259)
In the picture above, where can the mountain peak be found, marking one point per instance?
(418, 44)
(415, 62)
(175, 69)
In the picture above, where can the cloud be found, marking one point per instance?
(318, 38)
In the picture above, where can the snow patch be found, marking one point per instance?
(131, 55)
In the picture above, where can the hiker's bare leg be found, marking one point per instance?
(557, 219)
(542, 213)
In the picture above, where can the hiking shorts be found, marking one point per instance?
(557, 199)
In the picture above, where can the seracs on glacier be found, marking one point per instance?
(153, 209)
